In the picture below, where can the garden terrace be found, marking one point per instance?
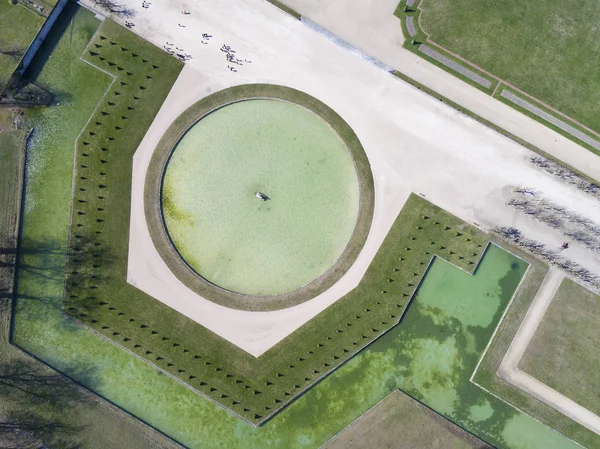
(421, 428)
(563, 351)
(253, 388)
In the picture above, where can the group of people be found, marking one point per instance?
(205, 38)
(179, 52)
(232, 58)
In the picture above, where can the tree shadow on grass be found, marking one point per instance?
(43, 282)
(41, 403)
(60, 27)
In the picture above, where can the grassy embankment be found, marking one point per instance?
(18, 27)
(87, 421)
(486, 373)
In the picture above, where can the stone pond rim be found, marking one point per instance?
(157, 224)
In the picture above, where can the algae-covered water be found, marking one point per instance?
(234, 239)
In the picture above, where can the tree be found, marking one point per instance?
(42, 400)
(24, 430)
(115, 8)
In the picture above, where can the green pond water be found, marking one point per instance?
(232, 238)
(431, 354)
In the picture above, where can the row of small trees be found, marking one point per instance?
(515, 237)
(567, 175)
(571, 223)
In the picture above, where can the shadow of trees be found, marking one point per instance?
(25, 430)
(41, 405)
(43, 281)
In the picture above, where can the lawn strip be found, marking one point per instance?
(285, 9)
(563, 352)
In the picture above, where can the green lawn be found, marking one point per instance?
(18, 27)
(98, 295)
(563, 353)
(400, 422)
(548, 49)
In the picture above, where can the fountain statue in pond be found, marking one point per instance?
(261, 196)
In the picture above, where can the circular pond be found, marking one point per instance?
(260, 197)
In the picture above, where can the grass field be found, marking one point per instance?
(549, 50)
(400, 422)
(563, 353)
(15, 39)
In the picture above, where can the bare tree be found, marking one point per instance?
(115, 8)
(567, 175)
(569, 222)
(34, 383)
(526, 190)
(24, 430)
(515, 237)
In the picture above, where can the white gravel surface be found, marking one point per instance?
(414, 142)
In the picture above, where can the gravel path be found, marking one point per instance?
(410, 26)
(371, 26)
(550, 118)
(509, 368)
(426, 50)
